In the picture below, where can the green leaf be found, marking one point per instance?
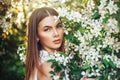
(111, 63)
(52, 72)
(51, 60)
(62, 53)
(96, 15)
(85, 66)
(105, 20)
(105, 62)
(58, 68)
(69, 36)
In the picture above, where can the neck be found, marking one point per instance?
(49, 50)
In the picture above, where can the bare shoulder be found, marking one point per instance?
(87, 79)
(45, 69)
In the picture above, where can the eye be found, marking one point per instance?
(59, 25)
(47, 29)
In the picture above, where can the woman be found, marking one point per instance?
(45, 36)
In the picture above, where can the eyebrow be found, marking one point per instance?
(59, 22)
(47, 26)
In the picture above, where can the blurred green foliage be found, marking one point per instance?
(13, 31)
(11, 66)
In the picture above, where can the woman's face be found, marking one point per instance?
(50, 33)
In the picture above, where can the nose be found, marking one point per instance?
(55, 33)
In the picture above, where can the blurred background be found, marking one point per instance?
(14, 15)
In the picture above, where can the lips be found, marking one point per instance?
(58, 41)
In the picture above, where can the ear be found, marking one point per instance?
(37, 39)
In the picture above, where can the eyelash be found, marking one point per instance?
(59, 25)
(46, 29)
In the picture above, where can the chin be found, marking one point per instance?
(56, 47)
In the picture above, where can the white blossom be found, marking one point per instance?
(66, 32)
(102, 9)
(75, 16)
(66, 76)
(112, 26)
(56, 77)
(20, 52)
(83, 73)
(112, 7)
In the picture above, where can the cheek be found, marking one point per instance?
(43, 37)
(62, 33)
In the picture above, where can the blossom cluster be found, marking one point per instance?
(59, 60)
(21, 50)
(96, 39)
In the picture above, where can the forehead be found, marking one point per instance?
(49, 20)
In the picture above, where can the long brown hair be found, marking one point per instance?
(33, 47)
